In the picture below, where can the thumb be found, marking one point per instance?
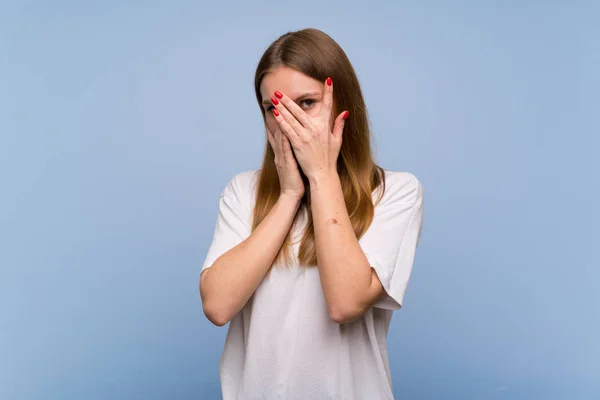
(338, 125)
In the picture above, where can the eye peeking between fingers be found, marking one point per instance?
(305, 104)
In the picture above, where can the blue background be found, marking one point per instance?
(121, 122)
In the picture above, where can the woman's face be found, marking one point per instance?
(304, 90)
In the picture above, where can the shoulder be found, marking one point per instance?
(402, 188)
(241, 182)
(241, 186)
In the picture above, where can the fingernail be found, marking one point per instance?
(346, 114)
(276, 112)
(329, 81)
(278, 94)
(274, 100)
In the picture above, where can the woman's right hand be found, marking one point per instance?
(288, 170)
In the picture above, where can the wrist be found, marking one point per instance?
(324, 178)
(289, 199)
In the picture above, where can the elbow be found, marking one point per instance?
(216, 316)
(213, 313)
(213, 310)
(344, 314)
(355, 305)
(217, 319)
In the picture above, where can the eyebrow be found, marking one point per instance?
(298, 99)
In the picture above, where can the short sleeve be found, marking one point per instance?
(391, 240)
(233, 224)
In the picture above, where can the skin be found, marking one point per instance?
(304, 125)
(350, 284)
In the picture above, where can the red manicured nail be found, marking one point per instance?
(346, 114)
(278, 94)
(276, 112)
(329, 81)
(274, 100)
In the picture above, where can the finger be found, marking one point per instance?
(276, 136)
(285, 148)
(293, 108)
(338, 125)
(275, 142)
(270, 138)
(288, 153)
(288, 116)
(286, 128)
(327, 99)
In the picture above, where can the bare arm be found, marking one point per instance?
(349, 277)
(227, 285)
(349, 283)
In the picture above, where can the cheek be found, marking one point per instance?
(272, 124)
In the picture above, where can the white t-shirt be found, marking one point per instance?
(283, 344)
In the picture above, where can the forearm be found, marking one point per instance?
(227, 285)
(345, 273)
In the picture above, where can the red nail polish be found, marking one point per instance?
(346, 114)
(276, 112)
(329, 81)
(274, 100)
(278, 94)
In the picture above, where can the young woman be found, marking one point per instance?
(313, 252)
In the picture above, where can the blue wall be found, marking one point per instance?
(120, 123)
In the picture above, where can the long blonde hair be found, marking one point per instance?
(317, 55)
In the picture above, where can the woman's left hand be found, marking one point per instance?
(315, 144)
